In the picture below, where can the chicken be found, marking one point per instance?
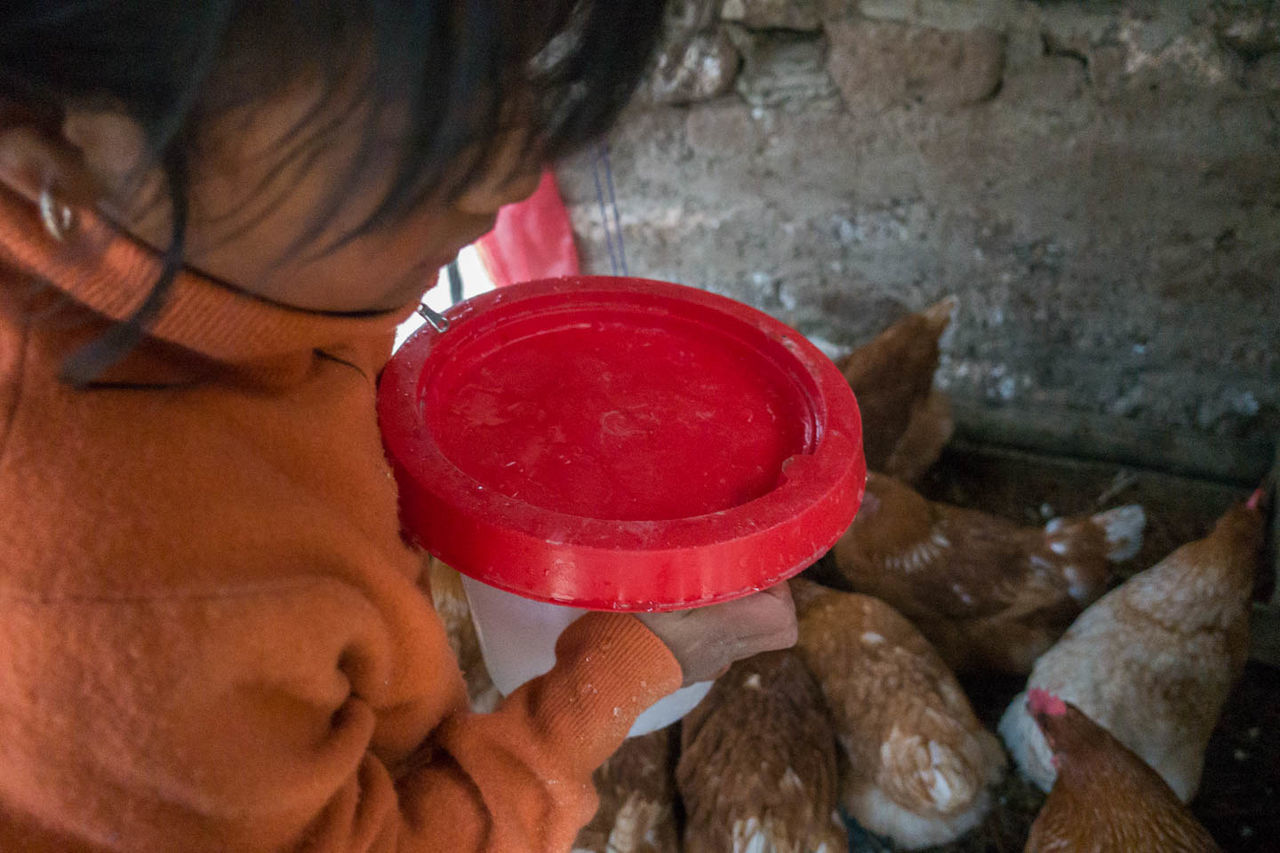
(757, 769)
(450, 600)
(917, 765)
(637, 812)
(1106, 798)
(1153, 660)
(988, 593)
(905, 420)
(927, 433)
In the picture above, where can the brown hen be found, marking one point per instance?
(987, 592)
(757, 767)
(1106, 799)
(637, 794)
(1154, 659)
(905, 420)
(918, 765)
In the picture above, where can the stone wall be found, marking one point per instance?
(1099, 183)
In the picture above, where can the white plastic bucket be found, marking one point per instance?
(518, 639)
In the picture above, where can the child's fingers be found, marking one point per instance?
(707, 640)
(762, 622)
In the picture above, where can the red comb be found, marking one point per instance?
(1044, 702)
(1255, 499)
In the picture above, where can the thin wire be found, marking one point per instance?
(617, 263)
(604, 217)
(613, 203)
(455, 283)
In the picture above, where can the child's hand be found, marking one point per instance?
(707, 640)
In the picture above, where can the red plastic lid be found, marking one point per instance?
(621, 444)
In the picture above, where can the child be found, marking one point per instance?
(213, 214)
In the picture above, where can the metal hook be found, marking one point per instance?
(439, 322)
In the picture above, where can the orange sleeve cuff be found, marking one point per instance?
(620, 668)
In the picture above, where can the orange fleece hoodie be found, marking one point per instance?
(211, 632)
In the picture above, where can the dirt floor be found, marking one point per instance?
(1238, 794)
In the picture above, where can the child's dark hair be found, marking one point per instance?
(468, 73)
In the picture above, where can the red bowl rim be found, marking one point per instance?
(602, 564)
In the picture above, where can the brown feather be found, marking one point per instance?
(1107, 798)
(929, 428)
(1154, 660)
(637, 794)
(989, 593)
(892, 377)
(918, 764)
(758, 763)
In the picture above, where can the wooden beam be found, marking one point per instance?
(1086, 435)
